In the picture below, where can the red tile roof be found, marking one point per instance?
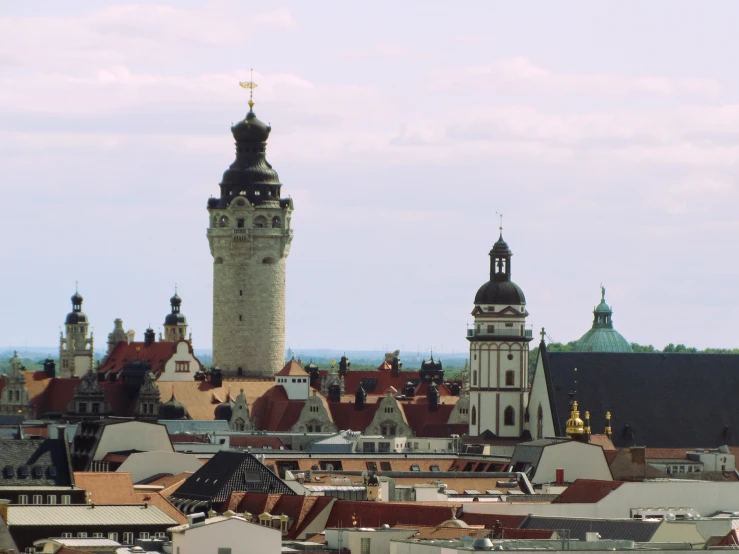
(159, 501)
(292, 369)
(157, 354)
(273, 411)
(586, 491)
(347, 513)
(256, 441)
(732, 539)
(107, 488)
(384, 379)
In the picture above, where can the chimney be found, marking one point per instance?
(4, 509)
(216, 377)
(395, 367)
(130, 335)
(638, 455)
(49, 368)
(560, 476)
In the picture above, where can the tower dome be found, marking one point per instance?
(602, 337)
(76, 316)
(224, 410)
(173, 409)
(500, 289)
(175, 317)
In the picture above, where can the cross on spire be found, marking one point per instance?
(251, 85)
(543, 334)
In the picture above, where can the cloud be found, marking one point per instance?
(121, 34)
(522, 74)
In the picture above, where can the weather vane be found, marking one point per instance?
(251, 85)
(501, 223)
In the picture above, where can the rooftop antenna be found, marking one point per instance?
(251, 85)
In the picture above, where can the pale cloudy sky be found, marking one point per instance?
(606, 132)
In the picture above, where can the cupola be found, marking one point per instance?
(173, 409)
(500, 289)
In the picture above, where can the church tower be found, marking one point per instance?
(499, 351)
(175, 324)
(76, 354)
(249, 236)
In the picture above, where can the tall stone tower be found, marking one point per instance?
(76, 353)
(499, 351)
(249, 236)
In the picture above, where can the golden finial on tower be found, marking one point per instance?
(251, 85)
(608, 431)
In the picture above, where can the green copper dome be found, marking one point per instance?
(602, 337)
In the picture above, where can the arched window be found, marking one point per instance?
(510, 378)
(260, 222)
(474, 415)
(223, 221)
(276, 222)
(509, 416)
(474, 378)
(539, 423)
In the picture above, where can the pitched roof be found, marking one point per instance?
(229, 471)
(301, 510)
(292, 369)
(157, 354)
(84, 514)
(157, 499)
(586, 491)
(6, 540)
(106, 487)
(609, 529)
(371, 514)
(697, 390)
(488, 520)
(376, 382)
(273, 411)
(45, 462)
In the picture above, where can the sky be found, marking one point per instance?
(606, 133)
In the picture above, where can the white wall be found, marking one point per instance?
(182, 354)
(705, 497)
(145, 464)
(379, 538)
(133, 435)
(579, 460)
(235, 533)
(539, 396)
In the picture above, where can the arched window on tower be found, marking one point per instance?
(474, 378)
(474, 415)
(276, 223)
(509, 416)
(539, 423)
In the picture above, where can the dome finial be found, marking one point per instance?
(602, 293)
(251, 85)
(500, 228)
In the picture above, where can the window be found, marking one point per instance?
(95, 407)
(385, 466)
(474, 416)
(66, 499)
(364, 546)
(415, 468)
(474, 378)
(113, 536)
(22, 499)
(509, 324)
(143, 535)
(241, 317)
(81, 535)
(66, 535)
(97, 535)
(82, 407)
(435, 468)
(220, 550)
(510, 378)
(241, 293)
(51, 499)
(509, 416)
(368, 447)
(389, 409)
(372, 466)
(128, 538)
(491, 329)
(240, 223)
(182, 367)
(160, 535)
(383, 447)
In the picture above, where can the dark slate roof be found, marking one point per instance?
(655, 399)
(19, 457)
(229, 471)
(609, 529)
